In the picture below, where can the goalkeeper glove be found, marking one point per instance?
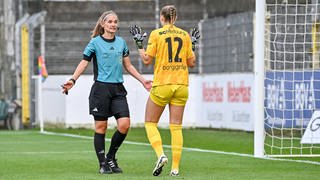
(195, 35)
(138, 36)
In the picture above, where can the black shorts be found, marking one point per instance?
(107, 100)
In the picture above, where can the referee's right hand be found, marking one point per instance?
(67, 86)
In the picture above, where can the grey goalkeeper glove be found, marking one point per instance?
(138, 36)
(195, 35)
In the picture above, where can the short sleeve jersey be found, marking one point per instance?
(171, 47)
(107, 58)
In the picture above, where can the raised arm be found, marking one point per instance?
(191, 62)
(138, 37)
(146, 59)
(194, 35)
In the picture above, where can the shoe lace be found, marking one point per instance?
(113, 163)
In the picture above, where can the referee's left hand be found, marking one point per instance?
(147, 84)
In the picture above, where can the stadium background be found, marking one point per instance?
(226, 46)
(225, 67)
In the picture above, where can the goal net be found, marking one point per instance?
(292, 78)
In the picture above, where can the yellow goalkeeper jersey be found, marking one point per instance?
(171, 47)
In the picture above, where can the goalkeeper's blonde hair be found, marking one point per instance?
(169, 13)
(98, 29)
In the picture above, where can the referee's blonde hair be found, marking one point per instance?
(169, 13)
(98, 29)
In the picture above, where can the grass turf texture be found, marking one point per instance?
(31, 155)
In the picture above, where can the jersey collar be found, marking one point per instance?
(108, 40)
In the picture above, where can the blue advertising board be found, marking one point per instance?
(291, 97)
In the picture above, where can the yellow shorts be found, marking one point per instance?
(169, 94)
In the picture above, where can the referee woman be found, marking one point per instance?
(108, 95)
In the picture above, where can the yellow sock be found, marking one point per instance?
(154, 137)
(176, 144)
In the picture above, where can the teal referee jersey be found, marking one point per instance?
(107, 55)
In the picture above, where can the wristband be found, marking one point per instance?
(139, 44)
(73, 80)
(193, 47)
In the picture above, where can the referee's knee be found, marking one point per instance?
(123, 125)
(124, 128)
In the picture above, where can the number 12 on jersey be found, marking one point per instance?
(176, 56)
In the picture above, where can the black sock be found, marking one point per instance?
(116, 142)
(99, 145)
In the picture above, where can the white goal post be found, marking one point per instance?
(287, 78)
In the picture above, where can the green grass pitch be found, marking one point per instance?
(31, 155)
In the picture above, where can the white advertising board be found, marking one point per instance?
(217, 101)
(227, 101)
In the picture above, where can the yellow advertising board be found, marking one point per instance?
(25, 73)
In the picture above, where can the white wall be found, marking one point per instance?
(53, 103)
(203, 109)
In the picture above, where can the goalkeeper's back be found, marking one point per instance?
(171, 47)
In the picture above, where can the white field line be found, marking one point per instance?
(33, 142)
(62, 152)
(189, 149)
(93, 0)
(7, 132)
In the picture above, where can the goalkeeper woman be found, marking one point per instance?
(172, 48)
(108, 95)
